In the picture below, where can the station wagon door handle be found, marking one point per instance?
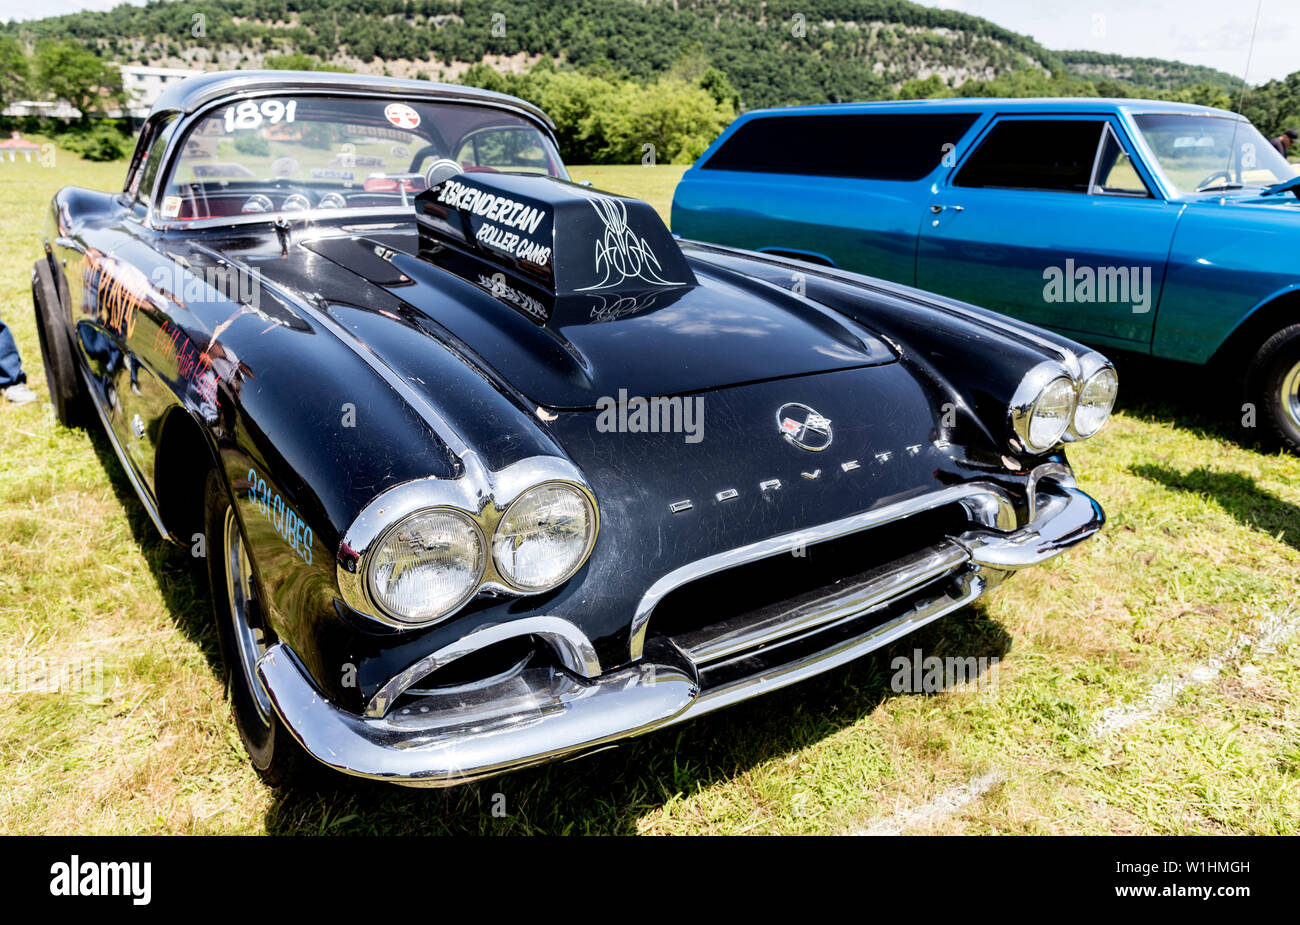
(936, 208)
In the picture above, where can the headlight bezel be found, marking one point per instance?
(1023, 404)
(512, 581)
(480, 496)
(1090, 365)
(368, 579)
(1035, 382)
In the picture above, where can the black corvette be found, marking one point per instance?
(488, 467)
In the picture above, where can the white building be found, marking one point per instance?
(49, 109)
(143, 85)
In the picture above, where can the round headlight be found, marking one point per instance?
(1096, 399)
(426, 565)
(1043, 423)
(544, 536)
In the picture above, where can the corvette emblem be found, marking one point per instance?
(804, 427)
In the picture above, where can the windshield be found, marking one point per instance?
(297, 153)
(1202, 153)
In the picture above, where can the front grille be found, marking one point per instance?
(755, 586)
(728, 617)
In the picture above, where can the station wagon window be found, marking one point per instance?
(863, 146)
(1036, 154)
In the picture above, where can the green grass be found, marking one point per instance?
(1202, 544)
(653, 184)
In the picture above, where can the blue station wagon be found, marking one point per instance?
(1151, 227)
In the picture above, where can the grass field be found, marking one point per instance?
(1146, 684)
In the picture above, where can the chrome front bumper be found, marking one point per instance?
(539, 715)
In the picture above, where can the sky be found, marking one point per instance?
(1209, 32)
(1213, 33)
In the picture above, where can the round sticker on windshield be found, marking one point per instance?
(401, 115)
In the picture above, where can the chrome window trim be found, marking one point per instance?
(191, 95)
(988, 504)
(1094, 189)
(479, 494)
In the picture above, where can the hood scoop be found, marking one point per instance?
(536, 242)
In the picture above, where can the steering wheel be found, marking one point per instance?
(1209, 181)
(421, 155)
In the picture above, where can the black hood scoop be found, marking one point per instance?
(536, 242)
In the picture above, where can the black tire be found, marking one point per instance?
(272, 749)
(1273, 385)
(67, 394)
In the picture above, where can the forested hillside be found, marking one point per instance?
(617, 75)
(782, 51)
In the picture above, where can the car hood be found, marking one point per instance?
(722, 329)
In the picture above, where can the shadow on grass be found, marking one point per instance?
(1238, 494)
(1201, 399)
(181, 577)
(602, 793)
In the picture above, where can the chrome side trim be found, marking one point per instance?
(570, 644)
(472, 492)
(716, 642)
(993, 505)
(141, 491)
(456, 445)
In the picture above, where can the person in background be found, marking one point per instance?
(1284, 141)
(13, 381)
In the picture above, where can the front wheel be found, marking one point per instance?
(1273, 385)
(244, 637)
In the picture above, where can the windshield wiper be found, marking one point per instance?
(1286, 186)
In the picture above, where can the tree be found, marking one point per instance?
(14, 72)
(70, 72)
(679, 119)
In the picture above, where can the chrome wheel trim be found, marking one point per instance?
(1290, 394)
(250, 642)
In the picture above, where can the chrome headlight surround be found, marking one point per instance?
(480, 496)
(1091, 365)
(512, 579)
(1046, 376)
